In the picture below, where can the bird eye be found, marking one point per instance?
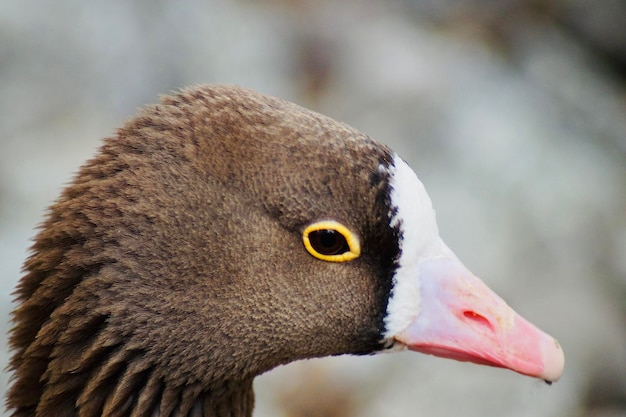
(331, 241)
(328, 242)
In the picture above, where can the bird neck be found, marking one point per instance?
(236, 402)
(154, 397)
(227, 400)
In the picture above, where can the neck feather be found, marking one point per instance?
(124, 385)
(93, 371)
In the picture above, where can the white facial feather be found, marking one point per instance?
(419, 238)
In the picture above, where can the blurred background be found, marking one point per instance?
(512, 112)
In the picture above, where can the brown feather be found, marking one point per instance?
(172, 271)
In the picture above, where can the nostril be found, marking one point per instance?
(477, 318)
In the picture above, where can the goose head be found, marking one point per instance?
(222, 233)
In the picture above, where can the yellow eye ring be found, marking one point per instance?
(331, 241)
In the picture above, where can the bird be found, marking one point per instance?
(221, 233)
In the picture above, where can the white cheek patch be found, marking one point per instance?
(413, 214)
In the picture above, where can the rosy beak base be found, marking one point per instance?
(461, 318)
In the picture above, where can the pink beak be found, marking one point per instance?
(461, 318)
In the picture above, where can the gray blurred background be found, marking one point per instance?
(512, 112)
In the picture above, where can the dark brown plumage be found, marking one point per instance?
(171, 271)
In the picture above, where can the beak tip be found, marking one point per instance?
(554, 361)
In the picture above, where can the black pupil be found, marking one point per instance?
(328, 242)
